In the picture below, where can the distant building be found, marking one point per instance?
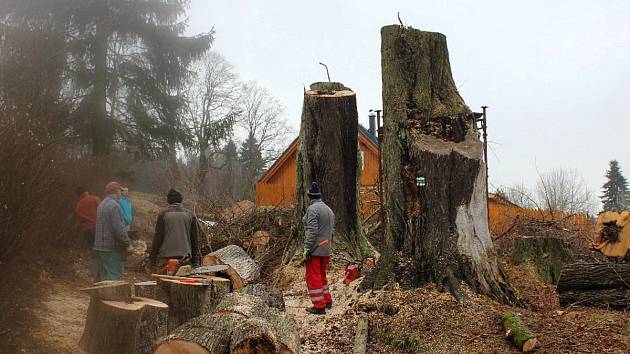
(277, 186)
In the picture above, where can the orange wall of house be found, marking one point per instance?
(279, 190)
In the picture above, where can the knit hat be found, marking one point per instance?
(313, 192)
(174, 196)
(112, 187)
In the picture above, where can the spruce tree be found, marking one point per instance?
(253, 164)
(615, 190)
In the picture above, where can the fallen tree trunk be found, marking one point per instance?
(124, 327)
(518, 333)
(250, 306)
(241, 323)
(271, 296)
(226, 333)
(616, 298)
(361, 337)
(242, 269)
(188, 300)
(591, 276)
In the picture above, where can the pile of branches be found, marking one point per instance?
(610, 232)
(578, 239)
(241, 229)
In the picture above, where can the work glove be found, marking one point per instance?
(306, 254)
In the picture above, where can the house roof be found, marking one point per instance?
(363, 133)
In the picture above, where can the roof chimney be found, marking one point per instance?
(372, 127)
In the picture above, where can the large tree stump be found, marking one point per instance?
(114, 327)
(189, 300)
(328, 154)
(240, 324)
(435, 177)
(242, 269)
(547, 254)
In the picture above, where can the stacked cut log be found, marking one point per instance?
(242, 269)
(118, 322)
(595, 284)
(240, 323)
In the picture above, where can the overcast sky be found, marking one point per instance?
(555, 74)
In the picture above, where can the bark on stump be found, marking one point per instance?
(241, 324)
(242, 269)
(328, 154)
(518, 333)
(119, 327)
(189, 300)
(435, 176)
(547, 254)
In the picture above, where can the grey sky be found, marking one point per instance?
(555, 74)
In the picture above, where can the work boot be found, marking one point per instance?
(329, 305)
(316, 311)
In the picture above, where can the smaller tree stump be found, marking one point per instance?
(151, 290)
(271, 296)
(115, 290)
(124, 327)
(547, 254)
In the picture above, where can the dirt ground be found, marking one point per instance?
(426, 321)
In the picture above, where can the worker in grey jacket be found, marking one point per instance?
(175, 233)
(319, 223)
(110, 236)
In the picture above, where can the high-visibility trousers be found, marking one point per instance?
(316, 281)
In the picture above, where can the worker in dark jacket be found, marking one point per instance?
(175, 233)
(110, 239)
(319, 223)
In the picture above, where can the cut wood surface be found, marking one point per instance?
(586, 276)
(124, 327)
(518, 333)
(615, 298)
(242, 269)
(115, 290)
(361, 336)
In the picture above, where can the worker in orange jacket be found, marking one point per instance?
(85, 211)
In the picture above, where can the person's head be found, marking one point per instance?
(124, 191)
(80, 191)
(174, 196)
(113, 188)
(313, 192)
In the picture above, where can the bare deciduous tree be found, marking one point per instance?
(211, 108)
(262, 119)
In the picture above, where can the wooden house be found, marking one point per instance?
(276, 187)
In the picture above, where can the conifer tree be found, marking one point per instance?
(253, 164)
(615, 190)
